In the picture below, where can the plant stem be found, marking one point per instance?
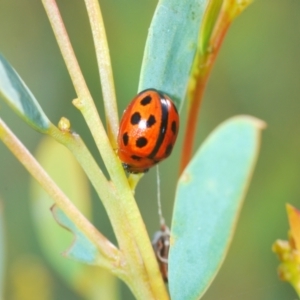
(111, 255)
(105, 190)
(204, 66)
(105, 69)
(74, 143)
(84, 102)
(145, 279)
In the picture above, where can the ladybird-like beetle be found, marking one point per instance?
(148, 131)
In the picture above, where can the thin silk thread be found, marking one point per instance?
(160, 214)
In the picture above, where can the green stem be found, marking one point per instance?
(84, 102)
(145, 280)
(74, 143)
(105, 190)
(105, 69)
(112, 256)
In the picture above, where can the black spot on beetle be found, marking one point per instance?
(146, 100)
(135, 157)
(174, 127)
(125, 138)
(168, 150)
(135, 118)
(151, 121)
(141, 142)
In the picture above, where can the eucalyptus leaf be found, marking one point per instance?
(97, 283)
(82, 248)
(89, 281)
(171, 47)
(15, 92)
(208, 200)
(65, 170)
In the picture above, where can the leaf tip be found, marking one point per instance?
(258, 123)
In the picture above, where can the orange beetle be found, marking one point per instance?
(148, 131)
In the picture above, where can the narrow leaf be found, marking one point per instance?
(82, 248)
(171, 47)
(208, 200)
(14, 91)
(64, 169)
(86, 280)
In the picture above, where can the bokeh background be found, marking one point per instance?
(256, 73)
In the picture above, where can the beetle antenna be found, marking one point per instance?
(160, 214)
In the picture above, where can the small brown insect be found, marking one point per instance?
(161, 246)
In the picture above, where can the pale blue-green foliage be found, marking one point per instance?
(54, 240)
(15, 92)
(82, 248)
(208, 199)
(64, 169)
(171, 47)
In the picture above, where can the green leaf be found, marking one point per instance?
(209, 196)
(102, 282)
(64, 169)
(82, 248)
(171, 47)
(14, 91)
(89, 281)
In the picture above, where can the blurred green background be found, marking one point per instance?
(256, 73)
